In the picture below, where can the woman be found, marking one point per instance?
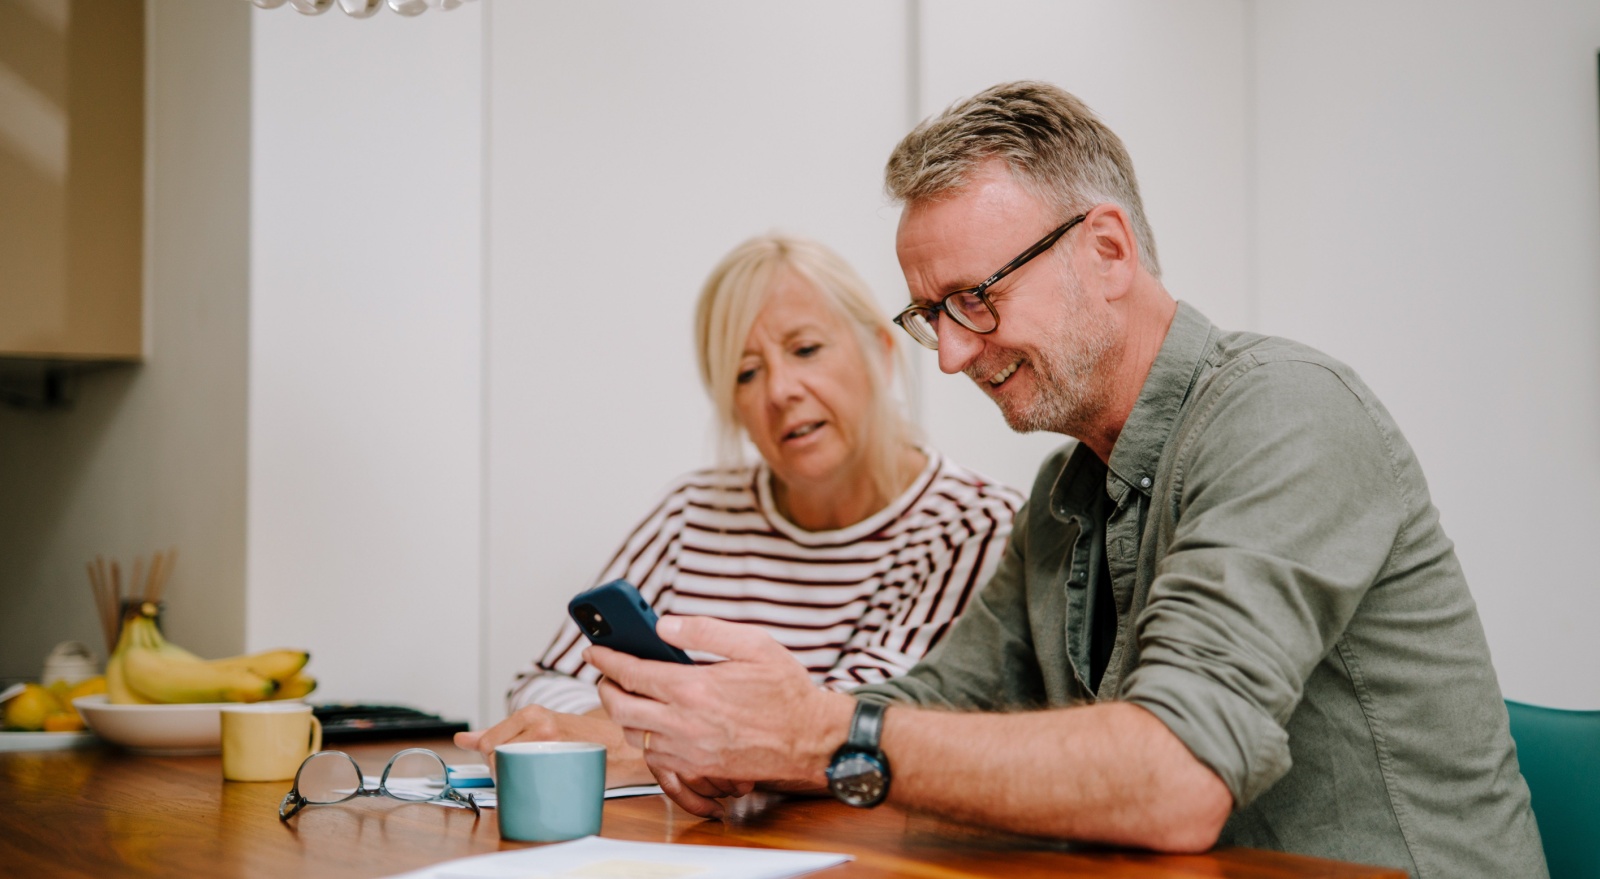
(850, 544)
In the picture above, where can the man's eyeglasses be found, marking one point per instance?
(415, 775)
(972, 307)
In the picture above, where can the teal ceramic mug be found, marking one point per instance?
(549, 791)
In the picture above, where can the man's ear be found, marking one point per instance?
(1112, 247)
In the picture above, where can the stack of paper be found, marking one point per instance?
(595, 857)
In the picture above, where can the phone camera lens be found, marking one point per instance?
(594, 625)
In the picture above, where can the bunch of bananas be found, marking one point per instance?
(147, 668)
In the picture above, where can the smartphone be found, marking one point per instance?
(615, 615)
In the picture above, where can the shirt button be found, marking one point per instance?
(1145, 482)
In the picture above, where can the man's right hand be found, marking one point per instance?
(699, 795)
(717, 730)
(624, 763)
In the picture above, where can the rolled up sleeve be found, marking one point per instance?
(1286, 507)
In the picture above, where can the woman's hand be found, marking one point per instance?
(624, 763)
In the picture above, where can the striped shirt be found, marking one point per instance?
(857, 605)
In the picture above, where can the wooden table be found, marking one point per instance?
(103, 813)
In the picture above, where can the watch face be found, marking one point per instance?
(859, 779)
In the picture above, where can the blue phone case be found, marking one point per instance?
(615, 615)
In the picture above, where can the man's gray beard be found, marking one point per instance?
(1067, 365)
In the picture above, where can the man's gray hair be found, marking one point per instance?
(1053, 144)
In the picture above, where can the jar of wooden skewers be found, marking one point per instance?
(113, 603)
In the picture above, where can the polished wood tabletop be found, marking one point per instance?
(101, 812)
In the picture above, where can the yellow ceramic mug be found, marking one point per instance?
(267, 741)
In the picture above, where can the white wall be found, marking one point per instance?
(366, 379)
(632, 145)
(1429, 211)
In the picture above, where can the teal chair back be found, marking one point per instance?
(1560, 756)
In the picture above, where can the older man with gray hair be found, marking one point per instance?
(1228, 612)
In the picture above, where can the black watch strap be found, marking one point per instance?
(859, 772)
(866, 727)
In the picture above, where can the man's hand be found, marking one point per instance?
(624, 763)
(700, 795)
(715, 730)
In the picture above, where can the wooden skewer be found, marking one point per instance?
(112, 608)
(160, 583)
(108, 605)
(110, 602)
(100, 599)
(152, 586)
(158, 573)
(116, 592)
(105, 582)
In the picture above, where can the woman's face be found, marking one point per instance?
(803, 395)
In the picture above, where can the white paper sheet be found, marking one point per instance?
(596, 857)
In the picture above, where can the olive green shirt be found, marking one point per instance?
(1286, 603)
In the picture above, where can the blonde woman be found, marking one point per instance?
(848, 542)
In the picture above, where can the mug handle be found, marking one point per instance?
(316, 734)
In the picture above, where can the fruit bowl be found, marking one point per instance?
(193, 728)
(160, 730)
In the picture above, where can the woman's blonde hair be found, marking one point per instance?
(735, 292)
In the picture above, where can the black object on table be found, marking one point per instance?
(367, 723)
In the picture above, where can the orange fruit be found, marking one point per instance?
(65, 721)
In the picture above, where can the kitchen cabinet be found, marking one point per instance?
(71, 183)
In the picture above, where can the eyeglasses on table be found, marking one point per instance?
(329, 777)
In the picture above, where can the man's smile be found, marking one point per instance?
(999, 378)
(991, 379)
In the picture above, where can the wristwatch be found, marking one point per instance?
(859, 772)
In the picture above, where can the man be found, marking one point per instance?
(1228, 612)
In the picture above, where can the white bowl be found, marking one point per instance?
(164, 730)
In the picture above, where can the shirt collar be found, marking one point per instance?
(1138, 450)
